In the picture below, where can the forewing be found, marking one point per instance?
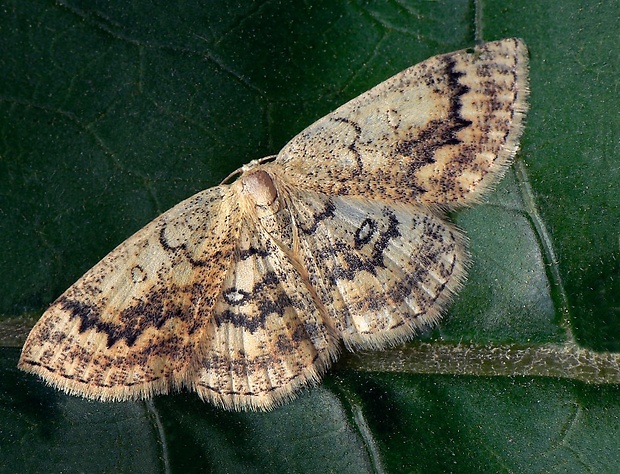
(270, 335)
(130, 326)
(438, 133)
(383, 271)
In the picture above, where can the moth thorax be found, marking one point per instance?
(260, 187)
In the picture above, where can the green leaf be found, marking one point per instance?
(111, 112)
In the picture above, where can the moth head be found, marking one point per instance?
(259, 188)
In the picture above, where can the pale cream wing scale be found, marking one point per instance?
(438, 133)
(132, 326)
(270, 335)
(385, 271)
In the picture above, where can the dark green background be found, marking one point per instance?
(112, 111)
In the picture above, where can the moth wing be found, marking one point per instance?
(450, 125)
(270, 334)
(385, 271)
(129, 328)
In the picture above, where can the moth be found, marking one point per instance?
(245, 292)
